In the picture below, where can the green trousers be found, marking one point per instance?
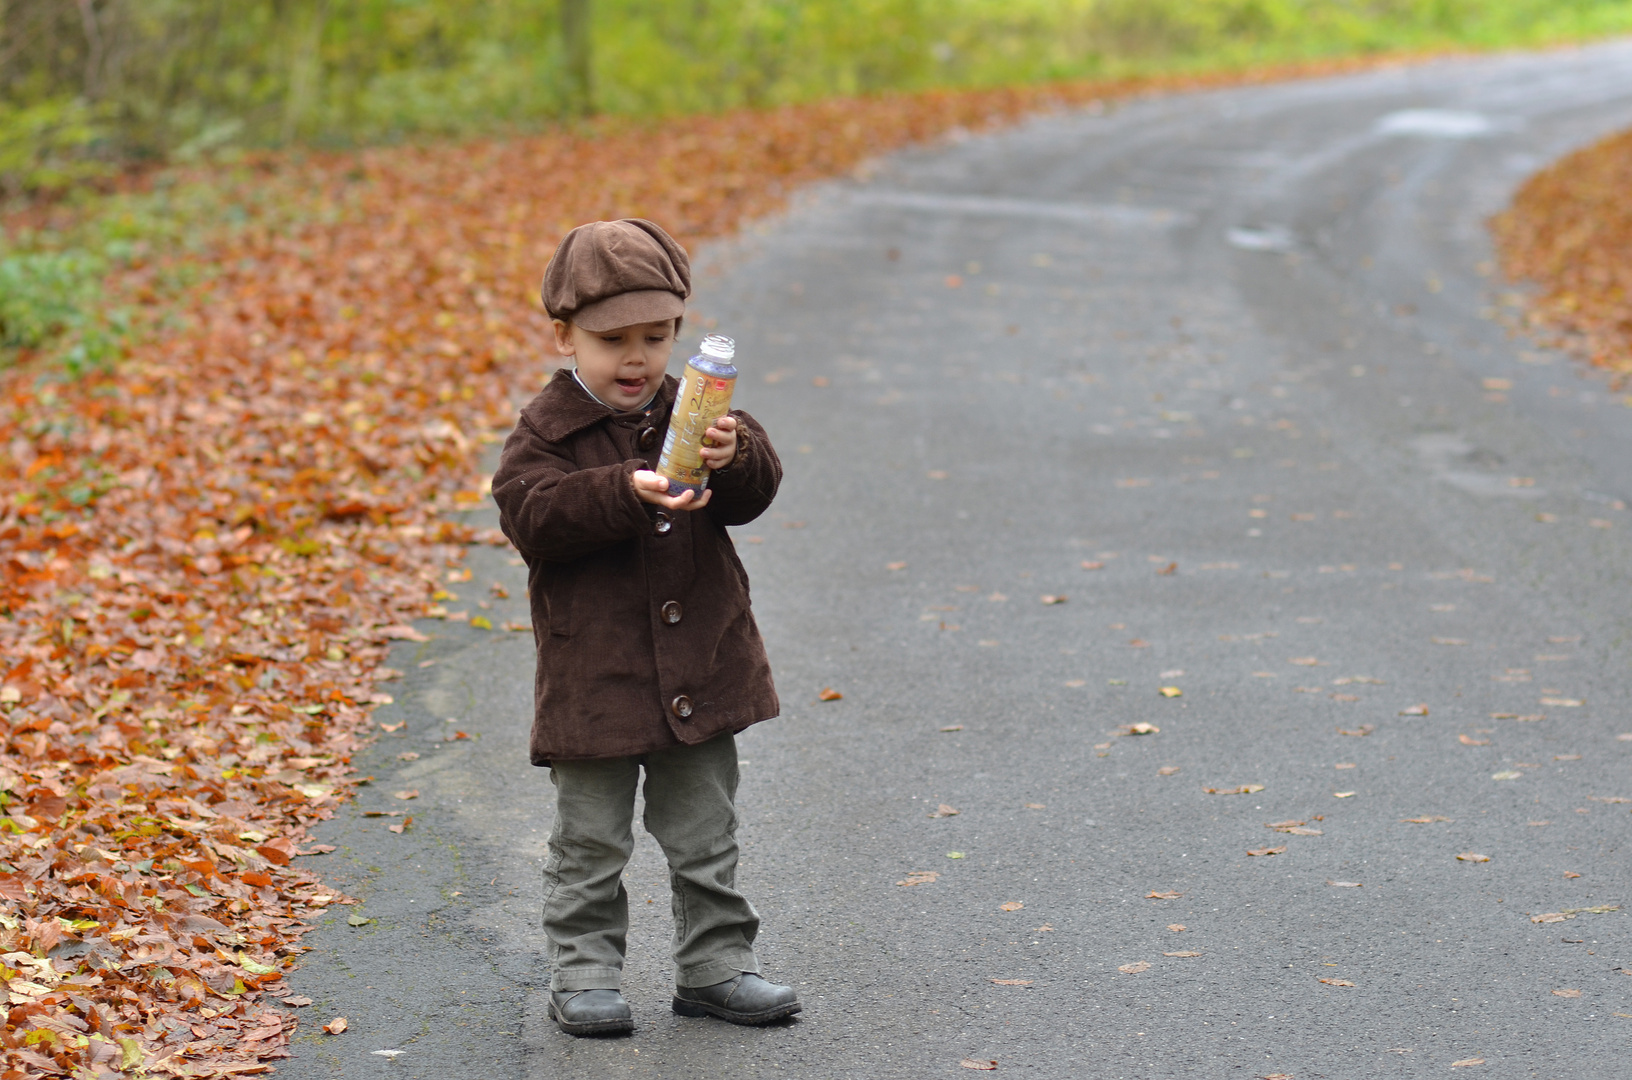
(691, 812)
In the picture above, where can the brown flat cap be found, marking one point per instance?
(609, 274)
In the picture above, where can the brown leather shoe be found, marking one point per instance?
(746, 999)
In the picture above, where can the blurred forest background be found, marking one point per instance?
(196, 91)
(88, 83)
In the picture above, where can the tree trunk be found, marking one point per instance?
(580, 58)
(307, 20)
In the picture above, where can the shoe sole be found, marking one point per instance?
(702, 1008)
(615, 1026)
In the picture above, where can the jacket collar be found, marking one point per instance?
(563, 408)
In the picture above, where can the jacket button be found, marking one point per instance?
(647, 439)
(681, 706)
(663, 524)
(671, 612)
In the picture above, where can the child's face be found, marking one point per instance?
(622, 367)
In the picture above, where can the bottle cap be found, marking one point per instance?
(719, 347)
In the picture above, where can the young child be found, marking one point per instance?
(648, 655)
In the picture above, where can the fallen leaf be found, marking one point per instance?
(1282, 826)
(1266, 851)
(1415, 710)
(1074, 683)
(1092, 564)
(1360, 732)
(398, 726)
(972, 1063)
(1337, 982)
(1184, 953)
(1467, 740)
(951, 727)
(1169, 570)
(410, 794)
(1346, 765)
(1244, 789)
(1168, 770)
(1472, 856)
(1012, 905)
(1304, 661)
(1134, 969)
(335, 1026)
(408, 755)
(1344, 794)
(1567, 993)
(1050, 598)
(1177, 928)
(1011, 982)
(1171, 692)
(943, 810)
(388, 1053)
(1036, 806)
(402, 826)
(954, 854)
(1571, 875)
(1562, 702)
(830, 694)
(1424, 820)
(297, 1001)
(1465, 1062)
(1141, 728)
(920, 877)
(1506, 774)
(1168, 895)
(1448, 641)
(895, 566)
(1344, 884)
(355, 919)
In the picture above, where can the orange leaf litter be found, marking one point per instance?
(1569, 230)
(205, 553)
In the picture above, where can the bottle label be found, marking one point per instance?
(702, 400)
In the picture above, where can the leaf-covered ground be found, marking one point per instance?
(1569, 230)
(205, 553)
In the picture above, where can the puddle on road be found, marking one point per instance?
(1449, 456)
(1277, 238)
(1436, 124)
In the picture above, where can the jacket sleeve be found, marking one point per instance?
(743, 489)
(553, 511)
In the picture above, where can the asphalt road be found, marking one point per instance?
(1244, 350)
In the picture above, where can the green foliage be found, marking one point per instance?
(43, 293)
(179, 78)
(49, 143)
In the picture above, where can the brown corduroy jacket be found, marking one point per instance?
(640, 616)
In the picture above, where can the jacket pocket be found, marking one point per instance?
(557, 590)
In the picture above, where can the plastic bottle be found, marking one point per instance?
(704, 396)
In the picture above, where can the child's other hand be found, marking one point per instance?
(654, 489)
(723, 437)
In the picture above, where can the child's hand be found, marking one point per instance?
(654, 489)
(720, 449)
